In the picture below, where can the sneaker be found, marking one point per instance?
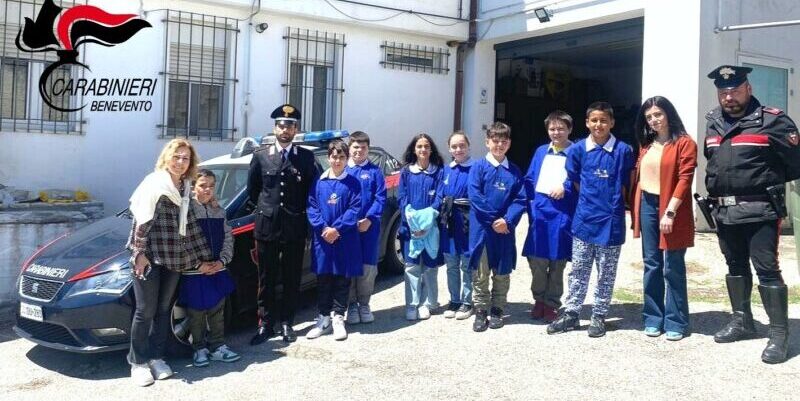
(140, 374)
(322, 326)
(496, 319)
(481, 321)
(674, 336)
(537, 311)
(339, 332)
(464, 312)
(597, 326)
(423, 312)
(200, 358)
(160, 369)
(450, 312)
(550, 314)
(365, 313)
(353, 317)
(651, 331)
(225, 354)
(411, 313)
(565, 322)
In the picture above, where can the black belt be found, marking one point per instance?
(735, 200)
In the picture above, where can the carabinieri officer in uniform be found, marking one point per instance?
(279, 180)
(752, 151)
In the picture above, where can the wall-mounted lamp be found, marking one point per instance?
(260, 28)
(543, 14)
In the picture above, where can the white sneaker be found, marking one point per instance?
(140, 374)
(322, 326)
(224, 354)
(353, 317)
(424, 312)
(160, 369)
(411, 313)
(200, 358)
(365, 313)
(339, 331)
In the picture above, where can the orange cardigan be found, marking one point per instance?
(678, 162)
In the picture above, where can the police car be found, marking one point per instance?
(75, 292)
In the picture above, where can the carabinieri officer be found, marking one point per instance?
(752, 151)
(279, 180)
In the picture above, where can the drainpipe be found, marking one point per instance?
(461, 48)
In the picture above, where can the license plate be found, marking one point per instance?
(33, 312)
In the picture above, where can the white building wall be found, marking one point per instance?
(118, 149)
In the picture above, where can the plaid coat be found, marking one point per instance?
(161, 243)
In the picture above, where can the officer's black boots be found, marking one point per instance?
(741, 325)
(775, 300)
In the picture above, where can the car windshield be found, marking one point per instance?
(230, 181)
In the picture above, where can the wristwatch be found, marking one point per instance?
(670, 214)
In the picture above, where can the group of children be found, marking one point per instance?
(462, 214)
(574, 195)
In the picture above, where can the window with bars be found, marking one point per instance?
(201, 74)
(415, 58)
(314, 71)
(21, 106)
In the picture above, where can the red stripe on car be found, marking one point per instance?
(243, 229)
(392, 180)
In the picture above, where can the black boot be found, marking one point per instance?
(776, 299)
(741, 325)
(481, 322)
(264, 332)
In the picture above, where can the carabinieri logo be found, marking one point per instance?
(75, 26)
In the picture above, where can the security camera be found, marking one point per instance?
(260, 28)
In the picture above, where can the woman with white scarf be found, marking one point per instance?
(164, 240)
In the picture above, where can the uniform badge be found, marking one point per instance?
(601, 173)
(364, 176)
(432, 192)
(500, 186)
(333, 199)
(726, 72)
(287, 110)
(794, 138)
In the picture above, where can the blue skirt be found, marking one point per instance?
(203, 292)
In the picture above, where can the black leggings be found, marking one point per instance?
(151, 320)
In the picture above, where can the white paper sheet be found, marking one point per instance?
(553, 173)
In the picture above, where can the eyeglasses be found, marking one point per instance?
(285, 125)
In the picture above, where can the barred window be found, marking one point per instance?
(21, 105)
(415, 58)
(314, 62)
(200, 68)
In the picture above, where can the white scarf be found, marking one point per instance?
(154, 186)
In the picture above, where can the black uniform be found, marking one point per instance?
(280, 188)
(745, 157)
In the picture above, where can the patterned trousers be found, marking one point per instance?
(584, 255)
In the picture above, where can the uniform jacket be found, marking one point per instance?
(373, 199)
(456, 178)
(678, 162)
(603, 173)
(495, 191)
(419, 189)
(550, 220)
(280, 189)
(335, 202)
(753, 153)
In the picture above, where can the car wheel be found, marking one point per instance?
(393, 258)
(180, 340)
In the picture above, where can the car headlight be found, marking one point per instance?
(114, 282)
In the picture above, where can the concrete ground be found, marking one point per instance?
(443, 359)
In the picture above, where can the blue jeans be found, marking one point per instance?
(670, 313)
(459, 279)
(421, 286)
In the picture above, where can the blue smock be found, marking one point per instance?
(420, 189)
(373, 199)
(456, 179)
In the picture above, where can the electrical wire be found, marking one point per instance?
(363, 19)
(436, 23)
(483, 35)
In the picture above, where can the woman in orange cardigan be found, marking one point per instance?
(662, 215)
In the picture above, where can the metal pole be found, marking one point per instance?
(755, 26)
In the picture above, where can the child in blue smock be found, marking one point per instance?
(333, 205)
(599, 167)
(419, 195)
(551, 203)
(373, 198)
(497, 200)
(454, 235)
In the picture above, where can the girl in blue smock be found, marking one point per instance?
(454, 236)
(420, 197)
(551, 204)
(333, 205)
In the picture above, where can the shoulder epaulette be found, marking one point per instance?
(772, 110)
